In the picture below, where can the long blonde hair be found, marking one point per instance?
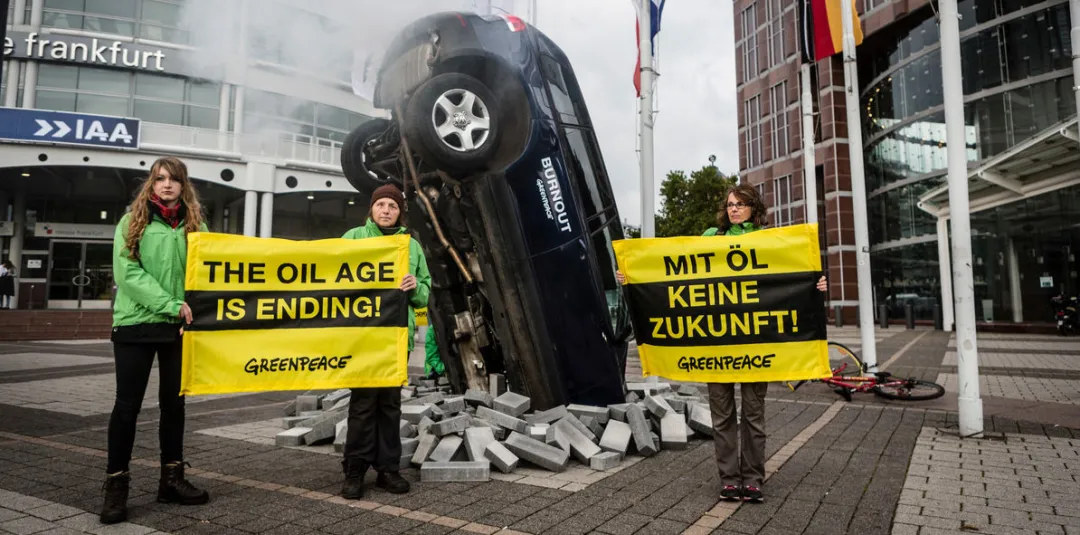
(140, 208)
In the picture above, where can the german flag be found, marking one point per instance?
(823, 36)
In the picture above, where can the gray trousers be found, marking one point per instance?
(748, 468)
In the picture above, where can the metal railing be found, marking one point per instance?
(282, 145)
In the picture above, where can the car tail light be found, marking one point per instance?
(515, 23)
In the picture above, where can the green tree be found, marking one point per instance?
(690, 204)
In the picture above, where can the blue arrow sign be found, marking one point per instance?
(59, 127)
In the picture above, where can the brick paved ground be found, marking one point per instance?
(870, 466)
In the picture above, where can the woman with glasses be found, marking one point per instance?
(741, 472)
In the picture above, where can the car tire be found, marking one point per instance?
(353, 157)
(453, 123)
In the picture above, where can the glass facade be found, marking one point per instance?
(307, 121)
(1017, 82)
(159, 20)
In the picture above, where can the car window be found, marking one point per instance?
(560, 91)
(583, 159)
(605, 261)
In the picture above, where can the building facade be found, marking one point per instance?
(259, 125)
(1020, 123)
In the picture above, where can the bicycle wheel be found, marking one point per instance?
(843, 361)
(909, 390)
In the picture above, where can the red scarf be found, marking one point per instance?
(173, 216)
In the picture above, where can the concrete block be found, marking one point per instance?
(639, 428)
(424, 427)
(334, 397)
(427, 445)
(310, 414)
(600, 414)
(593, 425)
(434, 472)
(341, 404)
(429, 399)
(677, 404)
(580, 446)
(406, 429)
(700, 419)
(446, 450)
(655, 440)
(616, 438)
(499, 431)
(307, 403)
(580, 426)
(673, 432)
(290, 409)
(658, 406)
(407, 394)
(648, 388)
(454, 405)
(478, 398)
(560, 440)
(538, 453)
(437, 413)
(292, 437)
(502, 420)
(415, 413)
(427, 383)
(409, 446)
(340, 435)
(605, 461)
(632, 397)
(689, 390)
(502, 458)
(511, 403)
(549, 416)
(476, 441)
(323, 427)
(618, 411)
(497, 385)
(449, 426)
(539, 432)
(290, 422)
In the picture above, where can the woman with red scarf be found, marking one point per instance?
(149, 262)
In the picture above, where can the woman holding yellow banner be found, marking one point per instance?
(741, 472)
(373, 438)
(149, 257)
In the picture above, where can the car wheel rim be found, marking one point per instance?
(461, 120)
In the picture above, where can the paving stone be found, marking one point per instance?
(427, 445)
(538, 453)
(658, 406)
(414, 414)
(616, 438)
(322, 428)
(600, 414)
(290, 422)
(677, 404)
(454, 405)
(512, 403)
(424, 427)
(478, 398)
(446, 450)
(639, 427)
(632, 397)
(291, 437)
(409, 446)
(580, 446)
(406, 430)
(539, 432)
(559, 439)
(25, 526)
(700, 419)
(437, 413)
(647, 388)
(476, 441)
(502, 420)
(334, 398)
(306, 403)
(688, 390)
(499, 431)
(497, 384)
(580, 426)
(501, 457)
(549, 416)
(594, 426)
(673, 432)
(457, 424)
(290, 409)
(605, 461)
(618, 411)
(341, 434)
(432, 471)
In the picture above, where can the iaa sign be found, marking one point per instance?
(68, 128)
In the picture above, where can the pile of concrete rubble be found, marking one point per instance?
(460, 438)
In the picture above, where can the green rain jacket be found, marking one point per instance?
(418, 298)
(150, 290)
(432, 361)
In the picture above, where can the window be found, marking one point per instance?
(753, 131)
(777, 52)
(749, 35)
(149, 19)
(554, 74)
(296, 119)
(782, 205)
(780, 134)
(150, 97)
(583, 160)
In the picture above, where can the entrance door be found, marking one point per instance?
(80, 275)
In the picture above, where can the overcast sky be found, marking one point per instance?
(695, 92)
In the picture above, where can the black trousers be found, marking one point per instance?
(133, 365)
(374, 435)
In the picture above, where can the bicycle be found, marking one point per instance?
(849, 375)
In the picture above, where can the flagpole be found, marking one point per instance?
(858, 188)
(646, 116)
(969, 403)
(809, 157)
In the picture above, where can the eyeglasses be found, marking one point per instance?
(739, 205)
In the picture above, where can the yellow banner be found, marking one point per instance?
(726, 309)
(273, 314)
(421, 316)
